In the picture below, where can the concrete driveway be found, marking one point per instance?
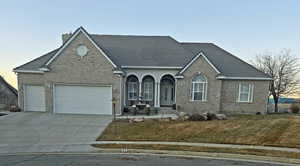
(31, 128)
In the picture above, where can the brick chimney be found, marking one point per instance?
(65, 37)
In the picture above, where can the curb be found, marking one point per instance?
(213, 145)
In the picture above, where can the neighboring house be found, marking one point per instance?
(8, 94)
(89, 70)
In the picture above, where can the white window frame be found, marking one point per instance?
(148, 90)
(249, 93)
(133, 90)
(204, 89)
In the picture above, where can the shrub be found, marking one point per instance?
(197, 117)
(14, 108)
(126, 110)
(295, 109)
(174, 106)
(211, 116)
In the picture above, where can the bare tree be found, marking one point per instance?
(283, 68)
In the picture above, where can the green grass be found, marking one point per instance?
(270, 130)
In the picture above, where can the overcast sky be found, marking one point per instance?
(245, 28)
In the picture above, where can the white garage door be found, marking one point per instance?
(83, 99)
(34, 98)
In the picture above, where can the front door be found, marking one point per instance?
(166, 95)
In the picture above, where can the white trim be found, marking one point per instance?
(195, 58)
(178, 77)
(204, 87)
(151, 67)
(72, 38)
(243, 78)
(164, 74)
(121, 97)
(53, 99)
(28, 71)
(44, 69)
(24, 97)
(148, 74)
(118, 72)
(213, 66)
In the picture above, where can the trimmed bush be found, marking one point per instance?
(295, 109)
(197, 117)
(211, 116)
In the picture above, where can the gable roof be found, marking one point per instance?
(12, 89)
(228, 64)
(128, 51)
(71, 38)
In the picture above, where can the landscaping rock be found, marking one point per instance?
(165, 119)
(182, 114)
(174, 118)
(136, 120)
(197, 117)
(221, 116)
(186, 117)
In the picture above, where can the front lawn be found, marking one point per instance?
(269, 130)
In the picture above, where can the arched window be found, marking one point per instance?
(132, 88)
(199, 88)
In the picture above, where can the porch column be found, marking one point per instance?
(158, 94)
(140, 89)
(155, 94)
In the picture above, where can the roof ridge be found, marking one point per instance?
(196, 43)
(240, 60)
(127, 35)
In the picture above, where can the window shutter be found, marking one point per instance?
(238, 90)
(190, 93)
(251, 93)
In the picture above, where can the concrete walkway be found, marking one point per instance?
(201, 145)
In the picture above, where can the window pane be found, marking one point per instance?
(148, 90)
(244, 88)
(197, 95)
(201, 88)
(132, 90)
(243, 97)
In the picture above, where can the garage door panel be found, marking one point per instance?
(34, 98)
(83, 99)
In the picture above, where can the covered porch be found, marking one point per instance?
(150, 89)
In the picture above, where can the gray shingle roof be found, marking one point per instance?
(162, 51)
(228, 64)
(143, 50)
(35, 64)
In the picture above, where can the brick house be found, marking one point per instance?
(88, 71)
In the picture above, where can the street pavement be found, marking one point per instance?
(117, 160)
